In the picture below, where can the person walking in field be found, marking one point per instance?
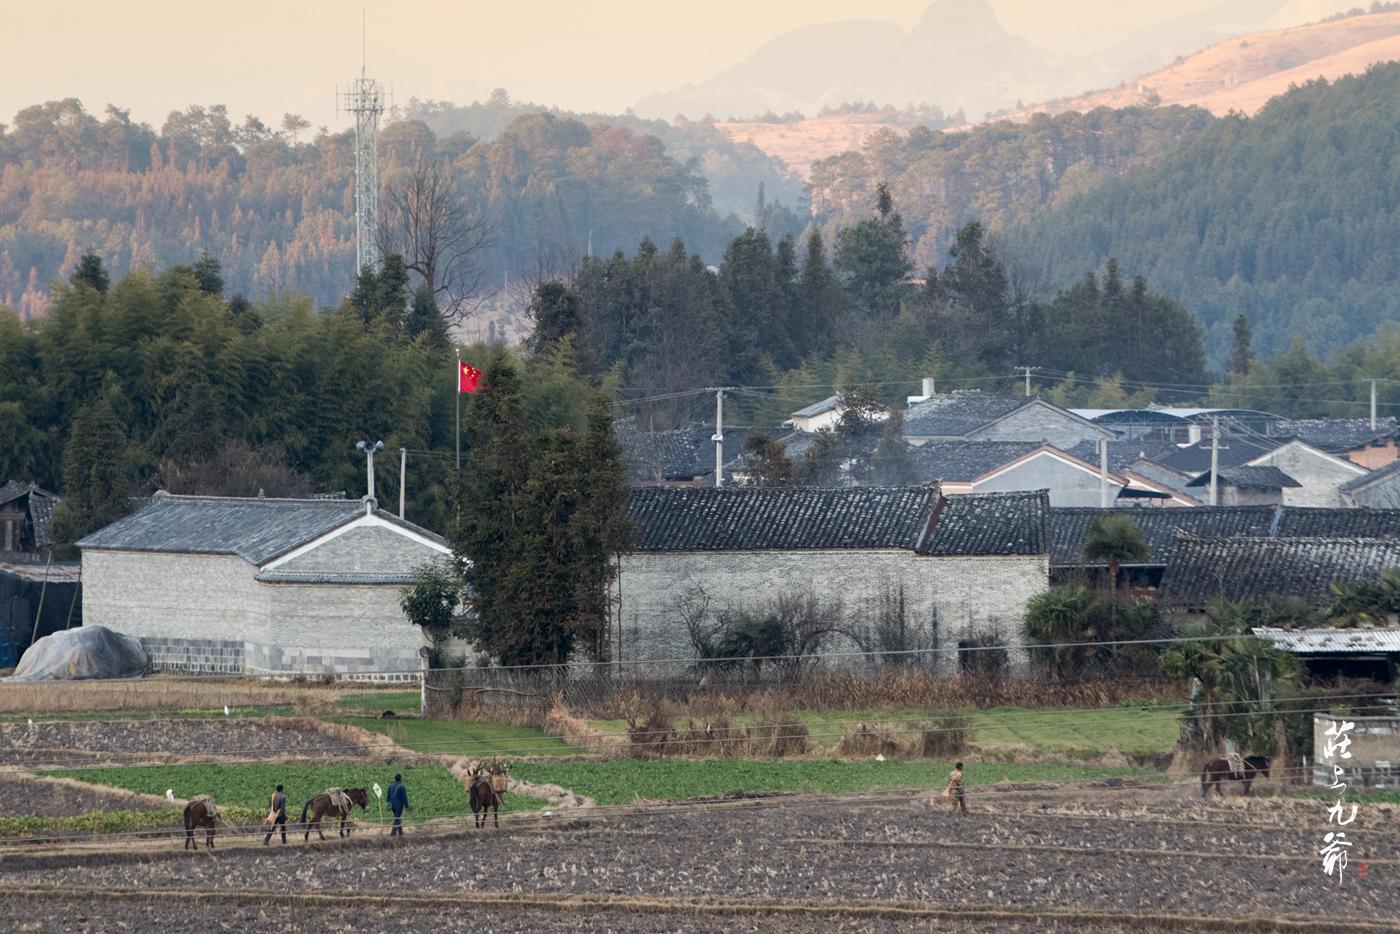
(955, 789)
(277, 817)
(398, 803)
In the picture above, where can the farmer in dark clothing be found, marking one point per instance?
(277, 817)
(398, 803)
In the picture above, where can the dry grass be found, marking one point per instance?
(562, 722)
(161, 693)
(942, 737)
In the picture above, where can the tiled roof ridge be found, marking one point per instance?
(161, 496)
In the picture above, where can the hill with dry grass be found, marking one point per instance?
(1239, 74)
(1243, 74)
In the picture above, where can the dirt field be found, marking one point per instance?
(81, 742)
(27, 796)
(776, 864)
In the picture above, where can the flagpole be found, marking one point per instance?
(457, 399)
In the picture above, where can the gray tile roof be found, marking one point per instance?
(964, 461)
(40, 504)
(816, 408)
(1164, 476)
(1265, 568)
(675, 454)
(1121, 452)
(1335, 434)
(1379, 475)
(957, 414)
(988, 524)
(1234, 451)
(759, 519)
(1248, 478)
(1068, 526)
(256, 530)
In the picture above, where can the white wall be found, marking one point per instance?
(966, 596)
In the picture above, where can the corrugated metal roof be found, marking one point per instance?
(1325, 641)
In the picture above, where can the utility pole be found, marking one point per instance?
(718, 438)
(457, 399)
(369, 450)
(1027, 371)
(1103, 473)
(403, 473)
(1214, 458)
(1373, 405)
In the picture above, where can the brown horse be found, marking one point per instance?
(200, 813)
(1218, 770)
(325, 804)
(486, 790)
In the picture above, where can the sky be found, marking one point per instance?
(269, 57)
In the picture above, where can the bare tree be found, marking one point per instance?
(426, 221)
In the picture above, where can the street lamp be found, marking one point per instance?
(369, 450)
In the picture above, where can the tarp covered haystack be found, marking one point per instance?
(86, 652)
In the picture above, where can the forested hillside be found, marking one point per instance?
(274, 208)
(1291, 218)
(1000, 173)
(733, 169)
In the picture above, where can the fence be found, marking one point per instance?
(615, 692)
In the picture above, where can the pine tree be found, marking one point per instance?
(601, 529)
(91, 273)
(425, 321)
(1241, 356)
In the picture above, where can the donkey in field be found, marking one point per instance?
(200, 812)
(486, 789)
(1218, 770)
(336, 804)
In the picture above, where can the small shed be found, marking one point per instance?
(1347, 653)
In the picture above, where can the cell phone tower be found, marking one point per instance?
(365, 99)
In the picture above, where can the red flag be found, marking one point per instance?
(467, 377)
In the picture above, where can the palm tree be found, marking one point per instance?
(1115, 538)
(1060, 615)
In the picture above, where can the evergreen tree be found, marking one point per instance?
(425, 321)
(555, 313)
(767, 462)
(1241, 357)
(601, 529)
(90, 272)
(894, 458)
(872, 260)
(95, 487)
(209, 274)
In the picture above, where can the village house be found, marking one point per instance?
(1264, 569)
(677, 456)
(961, 467)
(1164, 529)
(25, 511)
(1244, 486)
(1378, 489)
(979, 416)
(265, 586)
(903, 569)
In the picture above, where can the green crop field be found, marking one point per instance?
(376, 702)
(624, 781)
(1068, 732)
(432, 791)
(464, 737)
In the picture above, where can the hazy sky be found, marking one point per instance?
(272, 56)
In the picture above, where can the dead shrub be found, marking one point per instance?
(867, 740)
(655, 735)
(777, 740)
(562, 722)
(944, 736)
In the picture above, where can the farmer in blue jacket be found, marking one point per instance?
(398, 803)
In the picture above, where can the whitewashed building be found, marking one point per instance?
(937, 572)
(262, 586)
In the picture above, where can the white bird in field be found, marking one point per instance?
(170, 795)
(31, 723)
(225, 710)
(880, 757)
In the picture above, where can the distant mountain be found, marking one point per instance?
(1243, 73)
(957, 56)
